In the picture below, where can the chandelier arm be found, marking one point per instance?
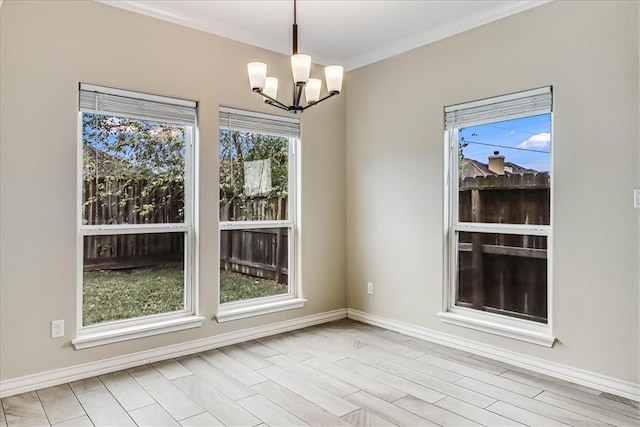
(272, 101)
(320, 100)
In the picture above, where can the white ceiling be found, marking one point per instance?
(351, 33)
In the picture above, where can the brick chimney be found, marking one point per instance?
(496, 163)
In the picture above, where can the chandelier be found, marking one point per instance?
(300, 68)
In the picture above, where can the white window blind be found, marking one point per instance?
(507, 107)
(248, 121)
(102, 100)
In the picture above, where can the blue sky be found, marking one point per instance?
(526, 141)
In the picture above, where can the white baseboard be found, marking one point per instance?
(27, 383)
(556, 370)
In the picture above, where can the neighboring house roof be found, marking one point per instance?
(472, 168)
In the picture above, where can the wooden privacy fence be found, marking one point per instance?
(499, 272)
(122, 201)
(256, 252)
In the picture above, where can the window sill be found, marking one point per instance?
(242, 310)
(94, 339)
(498, 325)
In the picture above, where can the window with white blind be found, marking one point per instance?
(258, 189)
(136, 230)
(498, 215)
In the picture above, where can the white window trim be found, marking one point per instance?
(128, 329)
(258, 306)
(293, 299)
(510, 327)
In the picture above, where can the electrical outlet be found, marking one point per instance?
(636, 199)
(370, 288)
(57, 328)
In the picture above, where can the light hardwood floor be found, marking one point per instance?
(339, 374)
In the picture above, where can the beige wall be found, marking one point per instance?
(46, 49)
(588, 51)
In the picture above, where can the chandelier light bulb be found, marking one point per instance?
(301, 68)
(270, 88)
(312, 90)
(257, 75)
(333, 74)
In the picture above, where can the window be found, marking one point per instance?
(258, 188)
(136, 228)
(499, 215)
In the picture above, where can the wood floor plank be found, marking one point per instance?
(558, 388)
(357, 380)
(217, 378)
(541, 378)
(433, 413)
(399, 383)
(362, 418)
(388, 345)
(245, 357)
(269, 413)
(302, 408)
(282, 346)
(532, 405)
(232, 367)
(433, 348)
(313, 376)
(385, 334)
(152, 416)
(372, 335)
(620, 399)
(425, 368)
(88, 384)
(386, 410)
(258, 349)
(348, 346)
(215, 402)
(60, 403)
(328, 401)
(591, 411)
(172, 399)
(482, 375)
(24, 410)
(82, 421)
(472, 412)
(171, 369)
(318, 346)
(126, 390)
(438, 385)
(103, 409)
(523, 416)
(201, 420)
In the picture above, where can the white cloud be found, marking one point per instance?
(540, 140)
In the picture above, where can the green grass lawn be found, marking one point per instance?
(237, 287)
(124, 294)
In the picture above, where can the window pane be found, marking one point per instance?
(254, 176)
(503, 273)
(253, 263)
(133, 171)
(132, 275)
(504, 171)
